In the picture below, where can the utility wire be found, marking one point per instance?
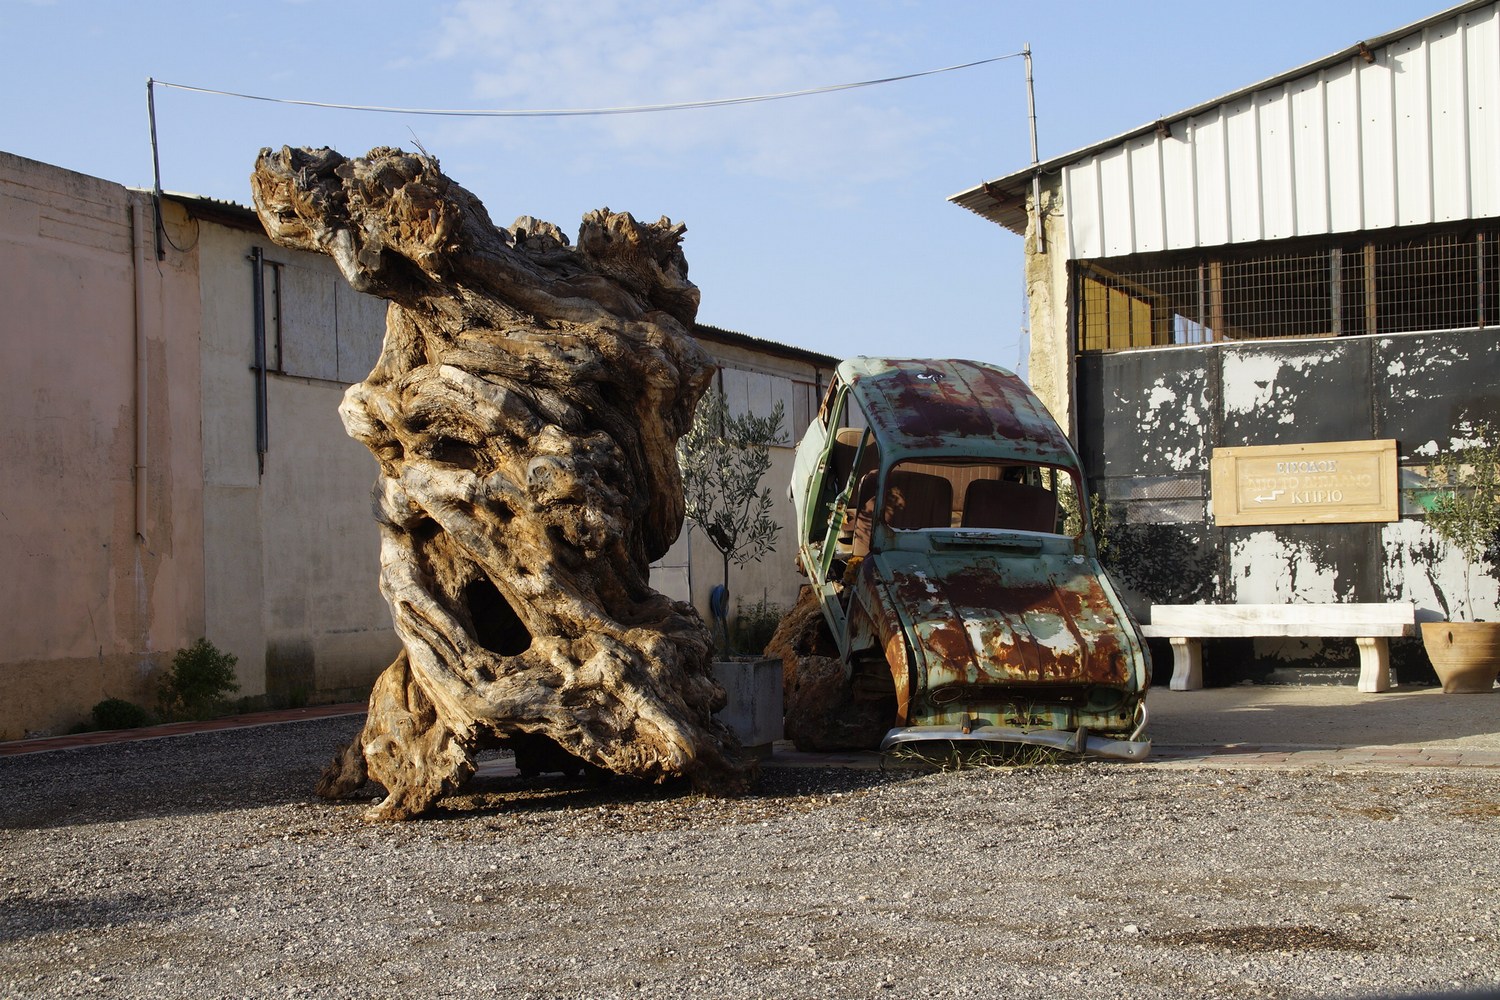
(581, 112)
(152, 83)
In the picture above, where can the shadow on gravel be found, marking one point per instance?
(279, 765)
(779, 791)
(1257, 938)
(1320, 716)
(176, 776)
(22, 918)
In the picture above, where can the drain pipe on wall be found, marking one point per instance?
(141, 641)
(142, 376)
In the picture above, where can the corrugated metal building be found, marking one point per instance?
(1312, 259)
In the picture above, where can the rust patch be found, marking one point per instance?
(975, 628)
(924, 403)
(895, 658)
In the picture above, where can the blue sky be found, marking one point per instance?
(820, 222)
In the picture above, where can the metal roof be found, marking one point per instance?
(720, 335)
(1399, 129)
(226, 213)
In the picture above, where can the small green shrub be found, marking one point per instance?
(199, 683)
(754, 625)
(117, 713)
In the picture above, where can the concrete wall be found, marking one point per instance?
(1049, 363)
(292, 590)
(97, 592)
(279, 568)
(1151, 419)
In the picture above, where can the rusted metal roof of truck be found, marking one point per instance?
(959, 407)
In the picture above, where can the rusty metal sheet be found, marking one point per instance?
(933, 407)
(986, 619)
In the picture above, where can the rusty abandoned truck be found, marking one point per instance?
(943, 525)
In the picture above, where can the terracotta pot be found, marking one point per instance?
(1466, 655)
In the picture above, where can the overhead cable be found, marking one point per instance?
(581, 112)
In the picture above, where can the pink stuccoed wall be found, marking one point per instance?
(92, 600)
(278, 565)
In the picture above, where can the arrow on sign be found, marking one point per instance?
(1273, 496)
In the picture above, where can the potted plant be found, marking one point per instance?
(1464, 514)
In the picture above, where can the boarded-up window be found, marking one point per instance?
(317, 326)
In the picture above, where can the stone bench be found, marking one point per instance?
(1369, 625)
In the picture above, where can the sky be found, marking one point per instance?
(820, 222)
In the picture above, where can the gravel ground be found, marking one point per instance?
(203, 866)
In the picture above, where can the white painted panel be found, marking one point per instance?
(1447, 111)
(1309, 146)
(1115, 199)
(309, 343)
(1410, 110)
(1213, 196)
(1242, 156)
(1081, 194)
(1377, 145)
(1179, 190)
(736, 390)
(1278, 192)
(1146, 195)
(1346, 202)
(758, 390)
(1482, 43)
(784, 391)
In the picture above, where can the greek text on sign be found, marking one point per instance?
(1332, 482)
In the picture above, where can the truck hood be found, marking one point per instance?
(1030, 618)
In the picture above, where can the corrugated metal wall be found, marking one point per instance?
(1412, 138)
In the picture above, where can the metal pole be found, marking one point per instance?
(161, 253)
(1479, 256)
(258, 318)
(1036, 174)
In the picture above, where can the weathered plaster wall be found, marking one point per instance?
(93, 600)
(1050, 359)
(1150, 420)
(292, 589)
(282, 569)
(328, 629)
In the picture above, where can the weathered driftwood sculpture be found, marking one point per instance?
(524, 413)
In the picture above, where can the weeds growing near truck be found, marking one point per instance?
(953, 755)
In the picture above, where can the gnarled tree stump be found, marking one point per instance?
(821, 712)
(524, 413)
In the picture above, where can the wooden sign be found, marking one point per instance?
(1334, 482)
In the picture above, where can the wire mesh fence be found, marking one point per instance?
(1409, 282)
